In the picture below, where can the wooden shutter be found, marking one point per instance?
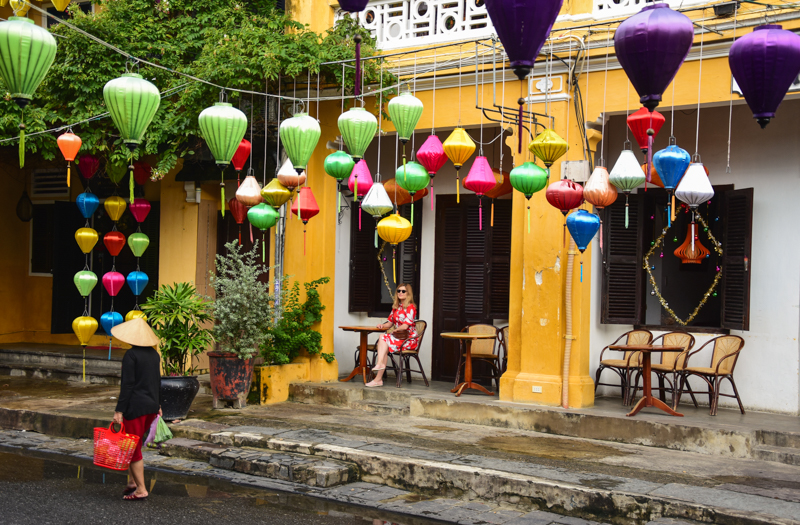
(499, 257)
(623, 273)
(736, 243)
(408, 251)
(228, 230)
(67, 303)
(363, 263)
(475, 267)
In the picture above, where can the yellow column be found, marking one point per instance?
(177, 258)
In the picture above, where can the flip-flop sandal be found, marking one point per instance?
(128, 490)
(133, 497)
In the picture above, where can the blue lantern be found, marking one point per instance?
(109, 320)
(671, 163)
(137, 281)
(583, 226)
(87, 204)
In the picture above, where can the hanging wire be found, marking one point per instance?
(380, 125)
(627, 112)
(730, 104)
(569, 90)
(341, 142)
(672, 111)
(699, 85)
(459, 86)
(433, 112)
(266, 131)
(414, 131)
(278, 139)
(605, 90)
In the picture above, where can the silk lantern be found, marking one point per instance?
(641, 122)
(339, 165)
(88, 165)
(20, 7)
(299, 136)
(240, 157)
(113, 282)
(61, 4)
(305, 207)
(358, 127)
(87, 204)
(599, 192)
(116, 171)
(626, 175)
(694, 189)
(480, 179)
(583, 226)
(114, 242)
(458, 147)
(528, 178)
(377, 203)
(289, 177)
(263, 217)
(249, 192)
(412, 177)
(360, 180)
(655, 180)
(115, 207)
(85, 282)
(140, 208)
(69, 144)
(109, 320)
(399, 196)
(138, 243)
(28, 51)
(135, 314)
(141, 172)
(691, 251)
(405, 111)
(431, 155)
(564, 195)
(137, 281)
(86, 239)
(223, 127)
(275, 194)
(765, 63)
(502, 187)
(84, 328)
(239, 212)
(548, 146)
(353, 6)
(394, 229)
(651, 46)
(671, 163)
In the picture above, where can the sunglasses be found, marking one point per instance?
(401, 291)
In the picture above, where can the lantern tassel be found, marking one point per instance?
(649, 158)
(626, 211)
(359, 217)
(529, 219)
(412, 210)
(431, 195)
(109, 349)
(376, 236)
(394, 264)
(581, 269)
(84, 364)
(405, 176)
(222, 194)
(22, 141)
(355, 188)
(564, 234)
(673, 208)
(458, 187)
(669, 215)
(491, 222)
(68, 175)
(601, 236)
(339, 202)
(264, 247)
(304, 240)
(131, 184)
(480, 214)
(251, 234)
(357, 89)
(693, 232)
(519, 131)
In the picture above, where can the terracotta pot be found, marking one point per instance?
(230, 378)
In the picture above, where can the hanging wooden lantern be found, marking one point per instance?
(140, 208)
(299, 136)
(412, 177)
(85, 282)
(394, 229)
(115, 207)
(360, 180)
(548, 146)
(289, 177)
(69, 144)
(377, 203)
(86, 239)
(305, 207)
(691, 251)
(84, 328)
(480, 180)
(405, 111)
(399, 196)
(87, 204)
(358, 127)
(138, 243)
(249, 192)
(114, 242)
(141, 172)
(528, 179)
(275, 194)
(88, 165)
(223, 127)
(626, 175)
(458, 147)
(240, 157)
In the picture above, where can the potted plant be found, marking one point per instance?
(178, 316)
(243, 313)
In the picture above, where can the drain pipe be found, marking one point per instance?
(568, 336)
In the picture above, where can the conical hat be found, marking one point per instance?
(135, 332)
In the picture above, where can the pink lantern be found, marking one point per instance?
(113, 283)
(360, 179)
(88, 165)
(432, 156)
(480, 180)
(139, 209)
(141, 172)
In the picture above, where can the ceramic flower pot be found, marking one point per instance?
(177, 395)
(230, 378)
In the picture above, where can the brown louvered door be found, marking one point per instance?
(364, 269)
(408, 251)
(228, 231)
(736, 243)
(623, 273)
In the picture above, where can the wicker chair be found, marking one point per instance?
(502, 339)
(723, 362)
(404, 357)
(670, 366)
(481, 350)
(625, 366)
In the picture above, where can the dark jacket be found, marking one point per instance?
(139, 393)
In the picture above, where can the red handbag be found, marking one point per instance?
(114, 450)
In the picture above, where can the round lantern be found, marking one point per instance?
(141, 172)
(299, 136)
(764, 64)
(86, 239)
(249, 192)
(412, 177)
(84, 328)
(645, 126)
(564, 195)
(598, 190)
(405, 111)
(87, 204)
(135, 314)
(113, 283)
(88, 165)
(651, 46)
(69, 144)
(528, 179)
(114, 242)
(548, 146)
(275, 194)
(262, 217)
(339, 165)
(358, 127)
(223, 127)
(360, 180)
(305, 207)
(115, 207)
(394, 229)
(480, 180)
(399, 196)
(137, 281)
(109, 320)
(85, 282)
(289, 177)
(458, 147)
(138, 243)
(139, 209)
(240, 157)
(353, 6)
(377, 203)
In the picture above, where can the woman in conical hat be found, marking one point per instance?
(139, 394)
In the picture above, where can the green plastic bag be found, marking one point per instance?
(162, 432)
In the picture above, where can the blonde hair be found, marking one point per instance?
(409, 300)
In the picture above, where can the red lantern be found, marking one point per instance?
(114, 242)
(88, 164)
(240, 157)
(305, 207)
(69, 144)
(239, 212)
(139, 209)
(640, 122)
(564, 195)
(141, 172)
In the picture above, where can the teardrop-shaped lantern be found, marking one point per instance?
(564, 195)
(137, 281)
(87, 204)
(86, 239)
(358, 127)
(115, 207)
(141, 172)
(458, 147)
(598, 190)
(140, 208)
(651, 46)
(116, 171)
(249, 193)
(61, 4)
(239, 212)
(241, 156)
(299, 136)
(132, 102)
(671, 163)
(431, 155)
(275, 194)
(480, 180)
(109, 320)
(360, 180)
(695, 187)
(764, 64)
(523, 27)
(88, 165)
(339, 165)
(305, 207)
(114, 242)
(85, 282)
(84, 328)
(527, 179)
(223, 127)
(583, 226)
(135, 314)
(394, 229)
(113, 283)
(377, 202)
(412, 177)
(627, 174)
(138, 243)
(641, 122)
(263, 216)
(405, 111)
(69, 144)
(289, 177)
(548, 146)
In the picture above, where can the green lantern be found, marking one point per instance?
(263, 217)
(358, 127)
(223, 126)
(412, 177)
(299, 136)
(27, 51)
(115, 172)
(528, 179)
(138, 243)
(85, 282)
(405, 110)
(339, 165)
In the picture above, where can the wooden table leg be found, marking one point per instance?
(362, 361)
(468, 376)
(647, 395)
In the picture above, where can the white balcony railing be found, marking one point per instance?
(618, 8)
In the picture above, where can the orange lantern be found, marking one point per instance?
(502, 187)
(69, 144)
(399, 196)
(654, 178)
(691, 252)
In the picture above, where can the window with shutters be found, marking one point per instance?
(628, 297)
(371, 272)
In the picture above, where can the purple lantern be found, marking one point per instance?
(764, 64)
(523, 27)
(353, 6)
(651, 46)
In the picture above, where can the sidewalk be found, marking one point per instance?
(449, 463)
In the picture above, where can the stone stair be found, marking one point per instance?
(386, 400)
(60, 363)
(781, 447)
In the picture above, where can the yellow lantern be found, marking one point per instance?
(275, 194)
(458, 147)
(549, 147)
(84, 328)
(394, 229)
(135, 314)
(115, 207)
(20, 7)
(86, 239)
(61, 4)
(3, 3)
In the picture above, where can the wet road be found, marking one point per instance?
(39, 491)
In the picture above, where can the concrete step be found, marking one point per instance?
(383, 408)
(774, 438)
(388, 394)
(786, 455)
(54, 360)
(62, 373)
(314, 471)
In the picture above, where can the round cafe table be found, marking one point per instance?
(647, 395)
(468, 337)
(362, 350)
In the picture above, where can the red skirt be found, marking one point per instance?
(139, 426)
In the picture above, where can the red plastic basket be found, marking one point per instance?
(114, 450)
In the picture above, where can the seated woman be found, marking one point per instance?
(404, 313)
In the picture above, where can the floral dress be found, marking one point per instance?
(403, 315)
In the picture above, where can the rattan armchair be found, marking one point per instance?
(502, 339)
(625, 366)
(723, 361)
(481, 350)
(670, 366)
